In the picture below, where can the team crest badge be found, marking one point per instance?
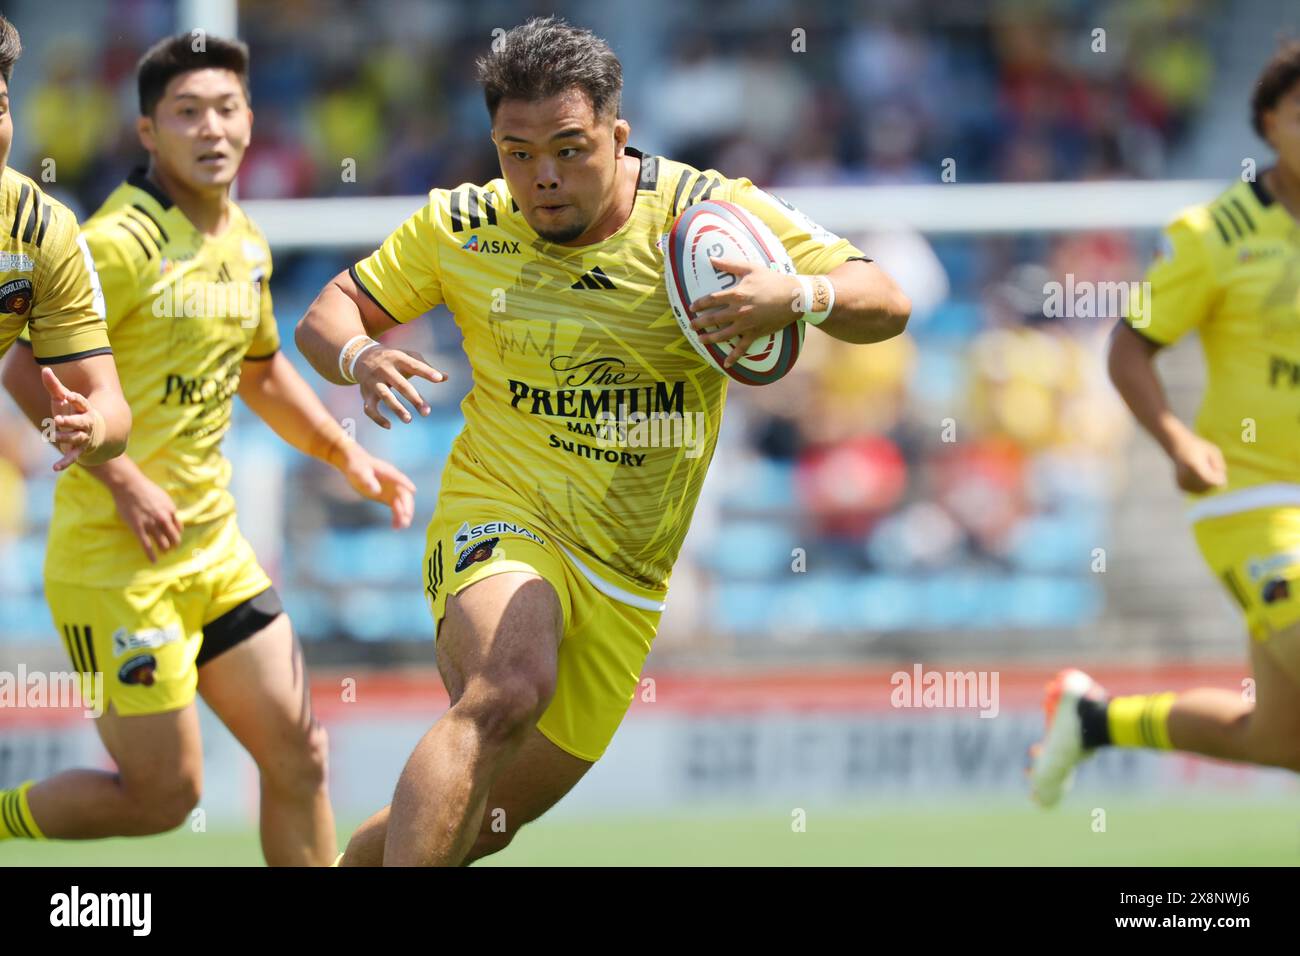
(479, 552)
(16, 296)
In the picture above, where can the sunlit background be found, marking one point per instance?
(968, 496)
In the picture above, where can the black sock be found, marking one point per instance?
(1092, 718)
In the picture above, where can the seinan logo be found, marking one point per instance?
(491, 246)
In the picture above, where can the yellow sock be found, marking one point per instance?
(1141, 720)
(16, 816)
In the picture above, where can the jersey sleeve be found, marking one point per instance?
(403, 276)
(814, 249)
(67, 312)
(119, 261)
(1179, 291)
(266, 340)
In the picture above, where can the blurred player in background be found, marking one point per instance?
(547, 564)
(148, 577)
(48, 290)
(1231, 270)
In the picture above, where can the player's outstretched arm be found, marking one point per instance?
(337, 337)
(82, 401)
(1198, 464)
(278, 395)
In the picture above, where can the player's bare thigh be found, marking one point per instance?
(259, 689)
(504, 629)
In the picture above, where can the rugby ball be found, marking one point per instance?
(724, 230)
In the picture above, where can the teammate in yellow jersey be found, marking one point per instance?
(1230, 270)
(149, 580)
(49, 292)
(548, 559)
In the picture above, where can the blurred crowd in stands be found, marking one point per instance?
(952, 477)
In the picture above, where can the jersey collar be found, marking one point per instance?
(139, 178)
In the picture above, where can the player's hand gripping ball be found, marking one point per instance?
(714, 230)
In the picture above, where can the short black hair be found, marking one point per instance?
(1280, 74)
(546, 56)
(11, 48)
(170, 57)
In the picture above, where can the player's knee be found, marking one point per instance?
(164, 805)
(300, 770)
(504, 709)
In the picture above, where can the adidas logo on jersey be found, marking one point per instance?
(472, 244)
(595, 279)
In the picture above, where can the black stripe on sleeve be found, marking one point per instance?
(144, 226)
(150, 216)
(456, 224)
(46, 215)
(681, 185)
(712, 186)
(60, 359)
(30, 232)
(471, 206)
(352, 271)
(22, 205)
(1228, 214)
(490, 208)
(1250, 223)
(1223, 233)
(26, 343)
(265, 358)
(695, 191)
(137, 237)
(859, 259)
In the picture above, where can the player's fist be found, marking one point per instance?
(78, 428)
(383, 374)
(1198, 464)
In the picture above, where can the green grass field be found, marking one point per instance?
(1136, 834)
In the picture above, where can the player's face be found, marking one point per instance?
(1282, 130)
(6, 125)
(200, 128)
(560, 161)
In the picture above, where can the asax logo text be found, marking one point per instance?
(491, 246)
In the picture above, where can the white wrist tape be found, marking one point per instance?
(349, 354)
(818, 298)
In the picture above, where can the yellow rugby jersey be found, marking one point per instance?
(184, 312)
(571, 347)
(47, 281)
(1231, 270)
